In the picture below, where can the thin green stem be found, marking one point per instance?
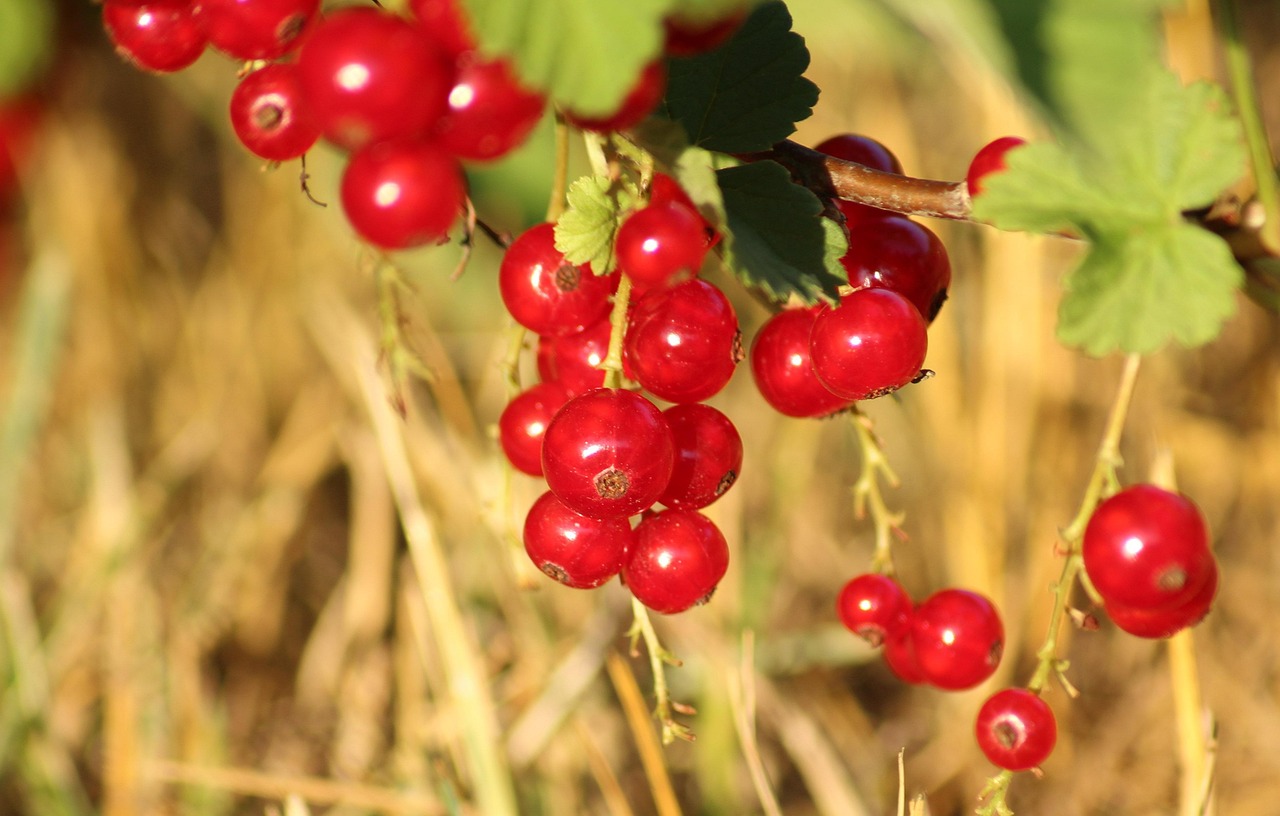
(659, 659)
(1102, 482)
(867, 494)
(612, 364)
(560, 175)
(1246, 97)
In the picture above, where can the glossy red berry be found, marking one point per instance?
(1016, 729)
(608, 453)
(402, 194)
(708, 456)
(661, 243)
(868, 152)
(257, 29)
(446, 23)
(783, 367)
(157, 35)
(958, 638)
(1147, 548)
(874, 607)
(902, 255)
(992, 158)
(871, 344)
(268, 116)
(1163, 623)
(639, 102)
(371, 76)
(576, 550)
(676, 560)
(900, 656)
(574, 360)
(490, 113)
(682, 343)
(686, 37)
(545, 293)
(524, 422)
(666, 190)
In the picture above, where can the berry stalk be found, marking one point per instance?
(867, 494)
(659, 659)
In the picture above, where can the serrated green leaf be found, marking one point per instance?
(586, 229)
(748, 94)
(1176, 283)
(777, 239)
(586, 54)
(693, 167)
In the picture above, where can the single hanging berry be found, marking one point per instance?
(901, 255)
(155, 35)
(544, 292)
(608, 453)
(402, 194)
(675, 561)
(958, 638)
(576, 550)
(682, 343)
(871, 344)
(660, 244)
(874, 607)
(1016, 729)
(268, 116)
(490, 113)
(524, 422)
(708, 456)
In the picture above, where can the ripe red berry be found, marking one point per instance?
(902, 255)
(783, 367)
(682, 343)
(874, 607)
(868, 152)
(661, 242)
(524, 422)
(958, 638)
(156, 35)
(608, 453)
(1016, 729)
(1147, 548)
(257, 29)
(666, 190)
(676, 559)
(643, 97)
(545, 293)
(708, 456)
(900, 656)
(445, 22)
(870, 345)
(576, 550)
(371, 76)
(490, 113)
(573, 360)
(685, 37)
(268, 116)
(992, 158)
(402, 194)
(1163, 623)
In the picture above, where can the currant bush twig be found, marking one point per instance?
(1246, 97)
(867, 493)
(659, 659)
(1102, 482)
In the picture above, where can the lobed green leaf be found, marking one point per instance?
(586, 229)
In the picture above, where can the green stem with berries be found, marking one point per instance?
(867, 493)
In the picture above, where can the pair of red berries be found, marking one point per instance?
(1146, 551)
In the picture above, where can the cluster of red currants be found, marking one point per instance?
(608, 454)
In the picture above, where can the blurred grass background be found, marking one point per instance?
(233, 581)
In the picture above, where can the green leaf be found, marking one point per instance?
(693, 167)
(777, 239)
(1175, 283)
(586, 54)
(586, 229)
(748, 94)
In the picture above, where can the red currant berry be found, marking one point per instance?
(574, 360)
(156, 35)
(1163, 623)
(1016, 729)
(992, 158)
(576, 550)
(268, 116)
(524, 422)
(708, 456)
(445, 22)
(868, 152)
(370, 76)
(899, 254)
(1147, 548)
(402, 194)
(870, 345)
(685, 37)
(666, 190)
(676, 559)
(900, 656)
(659, 242)
(257, 29)
(783, 368)
(683, 343)
(874, 607)
(490, 113)
(643, 97)
(608, 453)
(958, 638)
(545, 293)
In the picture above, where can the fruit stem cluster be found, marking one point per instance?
(1102, 482)
(867, 493)
(659, 659)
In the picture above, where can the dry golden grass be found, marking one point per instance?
(234, 581)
